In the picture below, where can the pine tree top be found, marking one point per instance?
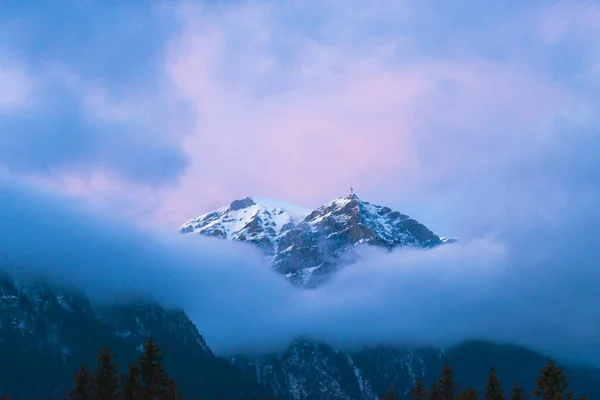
(468, 394)
(446, 385)
(493, 389)
(552, 384)
(130, 384)
(83, 385)
(434, 392)
(517, 392)
(105, 382)
(390, 394)
(418, 391)
(154, 380)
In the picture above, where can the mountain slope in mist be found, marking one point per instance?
(510, 290)
(47, 330)
(315, 371)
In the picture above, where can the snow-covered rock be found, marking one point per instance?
(317, 371)
(255, 220)
(307, 245)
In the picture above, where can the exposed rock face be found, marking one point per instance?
(315, 371)
(241, 204)
(308, 253)
(309, 370)
(307, 246)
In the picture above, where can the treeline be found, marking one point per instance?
(551, 385)
(145, 380)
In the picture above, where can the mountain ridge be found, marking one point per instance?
(312, 370)
(306, 245)
(47, 330)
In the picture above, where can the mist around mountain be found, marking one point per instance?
(494, 288)
(410, 302)
(47, 331)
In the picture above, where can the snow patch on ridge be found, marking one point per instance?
(253, 219)
(298, 213)
(308, 245)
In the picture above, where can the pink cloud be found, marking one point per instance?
(303, 108)
(350, 117)
(103, 191)
(564, 17)
(17, 86)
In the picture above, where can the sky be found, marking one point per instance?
(162, 111)
(479, 120)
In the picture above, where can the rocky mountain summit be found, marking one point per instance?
(306, 246)
(254, 220)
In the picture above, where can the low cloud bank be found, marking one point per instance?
(534, 283)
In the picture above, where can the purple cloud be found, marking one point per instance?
(91, 100)
(300, 116)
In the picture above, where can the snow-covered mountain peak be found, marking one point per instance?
(343, 201)
(305, 245)
(360, 222)
(296, 212)
(252, 219)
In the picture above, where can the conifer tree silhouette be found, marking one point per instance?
(493, 388)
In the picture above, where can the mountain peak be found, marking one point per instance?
(352, 196)
(305, 245)
(256, 220)
(240, 204)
